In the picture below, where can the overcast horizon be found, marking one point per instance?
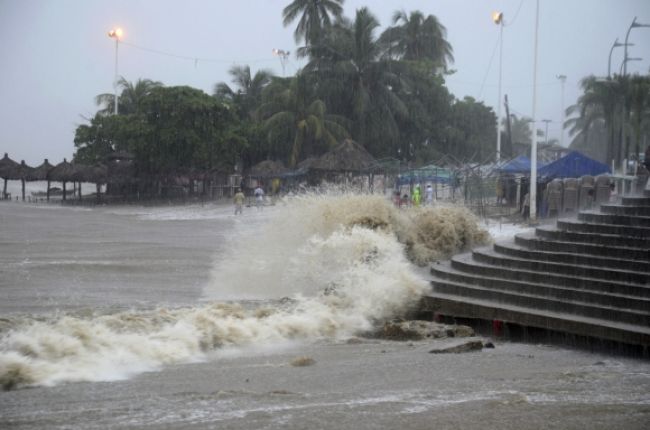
(57, 55)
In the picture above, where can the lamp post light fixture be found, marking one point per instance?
(615, 45)
(116, 34)
(283, 55)
(627, 60)
(497, 17)
(633, 25)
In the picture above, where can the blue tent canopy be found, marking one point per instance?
(572, 165)
(520, 164)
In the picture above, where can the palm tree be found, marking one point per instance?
(358, 83)
(639, 108)
(602, 100)
(315, 16)
(415, 37)
(248, 92)
(130, 98)
(292, 115)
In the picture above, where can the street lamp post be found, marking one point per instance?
(562, 79)
(532, 193)
(497, 17)
(609, 63)
(116, 34)
(627, 60)
(633, 25)
(283, 55)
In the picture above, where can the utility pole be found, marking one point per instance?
(562, 79)
(533, 150)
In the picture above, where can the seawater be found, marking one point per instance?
(343, 263)
(189, 316)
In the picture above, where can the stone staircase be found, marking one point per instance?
(587, 278)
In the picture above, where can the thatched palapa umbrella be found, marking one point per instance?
(347, 158)
(84, 173)
(62, 172)
(40, 174)
(22, 172)
(267, 169)
(7, 166)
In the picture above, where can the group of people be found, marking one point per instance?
(416, 197)
(239, 198)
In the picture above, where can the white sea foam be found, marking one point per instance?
(343, 261)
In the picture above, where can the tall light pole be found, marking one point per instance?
(497, 17)
(116, 34)
(533, 149)
(283, 55)
(633, 25)
(609, 63)
(627, 60)
(562, 79)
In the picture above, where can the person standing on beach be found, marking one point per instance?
(429, 195)
(239, 202)
(416, 196)
(259, 197)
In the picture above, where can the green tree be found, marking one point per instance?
(294, 115)
(415, 37)
(130, 98)
(356, 83)
(602, 100)
(175, 129)
(247, 95)
(472, 134)
(639, 109)
(315, 18)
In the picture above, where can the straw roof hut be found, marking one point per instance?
(346, 157)
(7, 166)
(62, 172)
(20, 172)
(39, 173)
(267, 169)
(84, 173)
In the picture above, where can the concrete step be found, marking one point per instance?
(626, 210)
(602, 218)
(541, 302)
(635, 201)
(531, 241)
(444, 272)
(618, 230)
(551, 233)
(464, 307)
(466, 263)
(574, 258)
(489, 256)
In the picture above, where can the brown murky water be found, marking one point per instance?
(115, 318)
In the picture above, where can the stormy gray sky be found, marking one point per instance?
(55, 55)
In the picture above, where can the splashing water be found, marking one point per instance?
(342, 259)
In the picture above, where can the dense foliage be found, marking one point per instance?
(385, 90)
(611, 119)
